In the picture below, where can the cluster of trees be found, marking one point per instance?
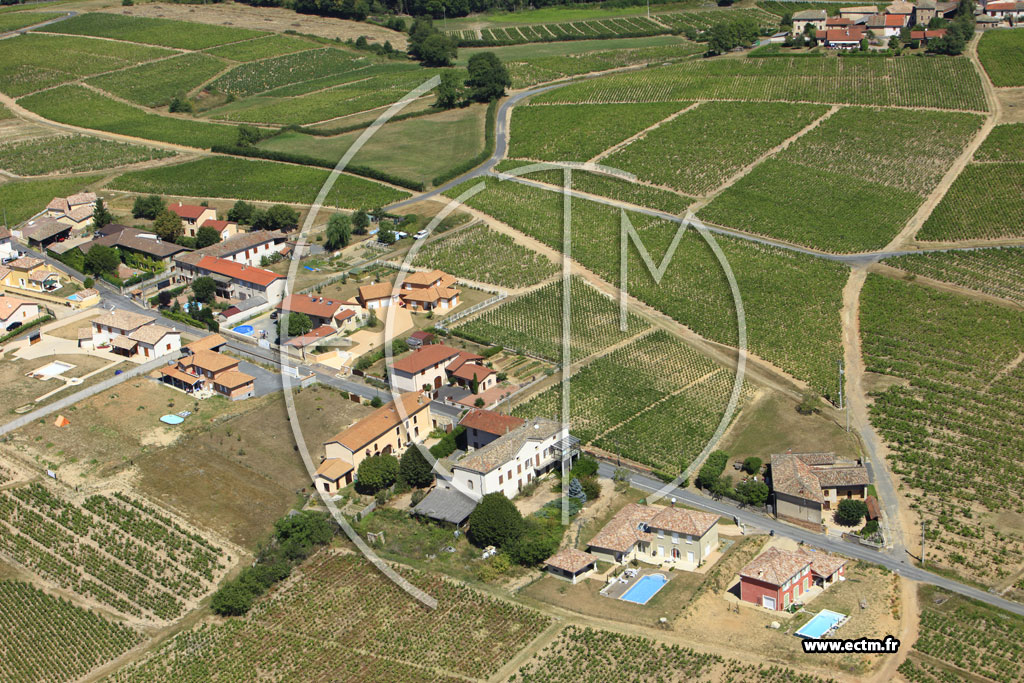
(738, 32)
(429, 45)
(959, 31)
(749, 492)
(295, 538)
(527, 541)
(487, 81)
(850, 512)
(278, 217)
(338, 233)
(380, 472)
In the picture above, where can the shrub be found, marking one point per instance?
(414, 469)
(712, 469)
(584, 467)
(495, 521)
(232, 600)
(591, 487)
(752, 465)
(538, 541)
(850, 512)
(377, 472)
(752, 493)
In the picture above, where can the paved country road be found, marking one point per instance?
(899, 565)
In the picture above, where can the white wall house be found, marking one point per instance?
(512, 461)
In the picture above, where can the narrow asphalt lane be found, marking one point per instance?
(899, 565)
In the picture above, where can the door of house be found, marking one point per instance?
(689, 556)
(768, 602)
(437, 382)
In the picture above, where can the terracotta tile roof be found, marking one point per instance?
(506, 447)
(859, 9)
(86, 293)
(381, 290)
(683, 521)
(380, 421)
(310, 305)
(845, 35)
(873, 510)
(10, 305)
(212, 361)
(232, 245)
(151, 334)
(822, 564)
(466, 371)
(44, 228)
(190, 211)
(136, 240)
(570, 560)
(424, 279)
(832, 477)
(233, 379)
(463, 357)
(5, 234)
(25, 263)
(425, 357)
(894, 21)
(123, 342)
(333, 469)
(430, 294)
(491, 422)
(238, 271)
(422, 335)
(79, 213)
(312, 337)
(177, 374)
(925, 35)
(775, 566)
(624, 530)
(4, 272)
(121, 319)
(792, 476)
(837, 22)
(82, 198)
(206, 343)
(219, 226)
(344, 314)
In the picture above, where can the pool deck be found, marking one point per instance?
(618, 589)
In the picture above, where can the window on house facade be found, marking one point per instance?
(501, 479)
(470, 484)
(675, 537)
(661, 533)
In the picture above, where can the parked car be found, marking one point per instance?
(420, 235)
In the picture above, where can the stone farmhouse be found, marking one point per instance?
(74, 211)
(806, 485)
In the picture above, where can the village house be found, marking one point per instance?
(134, 241)
(314, 337)
(192, 216)
(668, 536)
(1009, 12)
(74, 211)
(389, 429)
(429, 291)
(332, 475)
(247, 248)
(778, 578)
(334, 313)
(808, 17)
(15, 312)
(929, 34)
(512, 461)
(843, 38)
(838, 22)
(225, 229)
(886, 25)
(858, 13)
(806, 484)
(377, 296)
(904, 10)
(29, 274)
(134, 335)
(238, 281)
(200, 368)
(571, 564)
(45, 232)
(484, 426)
(437, 364)
(924, 12)
(211, 342)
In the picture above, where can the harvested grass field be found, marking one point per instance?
(20, 390)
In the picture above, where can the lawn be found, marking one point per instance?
(167, 32)
(235, 178)
(14, 20)
(1002, 55)
(576, 132)
(699, 150)
(78, 106)
(72, 154)
(154, 84)
(25, 198)
(419, 149)
(31, 62)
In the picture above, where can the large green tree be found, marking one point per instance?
(206, 236)
(449, 91)
(242, 212)
(102, 260)
(167, 226)
(339, 232)
(414, 468)
(376, 473)
(100, 215)
(488, 77)
(204, 288)
(148, 207)
(495, 521)
(278, 217)
(294, 324)
(850, 511)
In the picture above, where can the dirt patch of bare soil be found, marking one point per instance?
(274, 19)
(1012, 101)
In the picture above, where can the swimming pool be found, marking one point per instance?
(823, 622)
(52, 369)
(644, 589)
(243, 329)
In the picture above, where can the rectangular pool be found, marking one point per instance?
(822, 622)
(644, 589)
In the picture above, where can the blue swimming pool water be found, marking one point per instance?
(243, 329)
(644, 589)
(172, 419)
(822, 622)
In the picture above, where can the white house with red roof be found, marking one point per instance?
(14, 311)
(225, 229)
(436, 365)
(843, 38)
(484, 426)
(1004, 10)
(239, 281)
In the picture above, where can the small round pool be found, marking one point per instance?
(243, 329)
(172, 419)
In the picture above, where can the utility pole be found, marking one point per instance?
(648, 10)
(924, 523)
